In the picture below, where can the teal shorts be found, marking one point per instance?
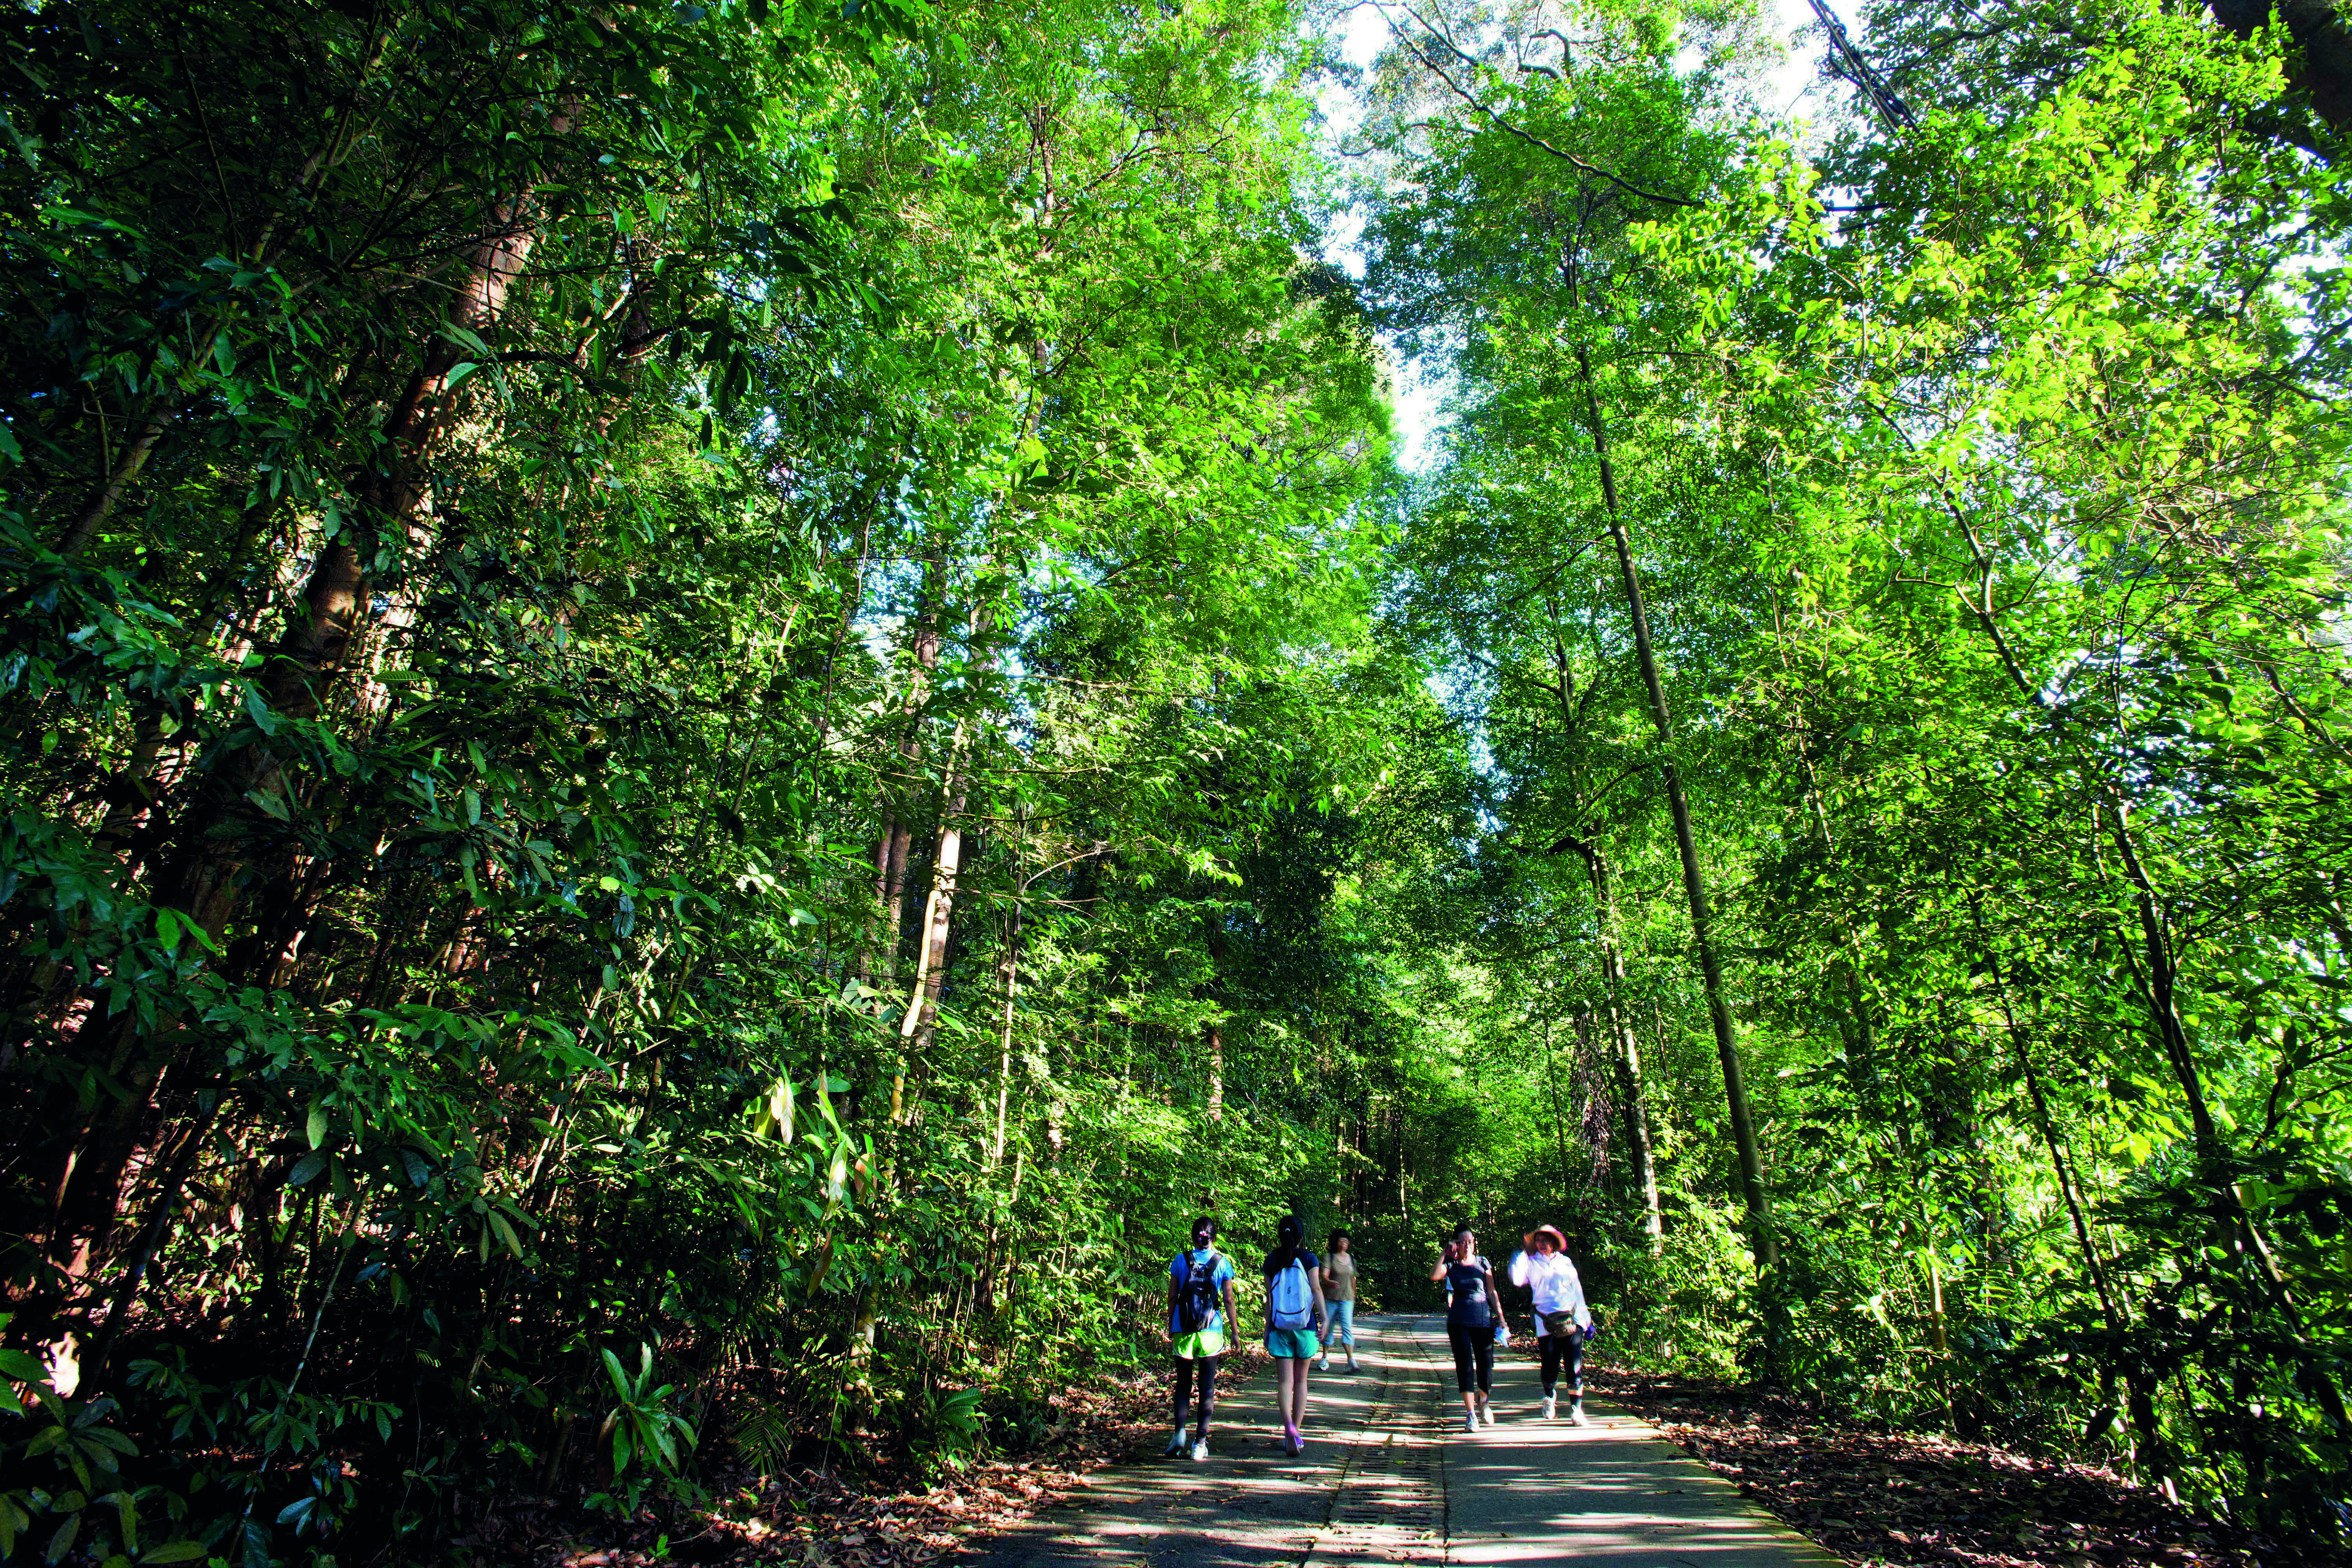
(1292, 1344)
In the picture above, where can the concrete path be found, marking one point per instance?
(1391, 1478)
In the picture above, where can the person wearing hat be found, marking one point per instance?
(1563, 1319)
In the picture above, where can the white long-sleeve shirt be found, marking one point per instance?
(1557, 1285)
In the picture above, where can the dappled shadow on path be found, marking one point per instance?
(1392, 1482)
(1528, 1493)
(1248, 1506)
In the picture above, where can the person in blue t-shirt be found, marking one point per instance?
(1199, 1312)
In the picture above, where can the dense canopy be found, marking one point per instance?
(704, 708)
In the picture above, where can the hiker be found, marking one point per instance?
(1294, 1306)
(1563, 1320)
(1339, 1295)
(1200, 1306)
(1471, 1315)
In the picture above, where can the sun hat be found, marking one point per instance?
(1558, 1240)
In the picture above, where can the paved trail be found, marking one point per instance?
(1391, 1478)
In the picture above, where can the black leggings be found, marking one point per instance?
(1473, 1348)
(1559, 1348)
(1205, 1368)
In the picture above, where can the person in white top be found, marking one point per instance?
(1562, 1318)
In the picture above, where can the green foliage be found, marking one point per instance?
(1989, 522)
(752, 681)
(86, 1504)
(644, 1431)
(504, 515)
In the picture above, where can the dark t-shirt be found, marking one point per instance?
(1471, 1307)
(1306, 1260)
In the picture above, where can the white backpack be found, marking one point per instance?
(1289, 1299)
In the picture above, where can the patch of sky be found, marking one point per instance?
(1789, 92)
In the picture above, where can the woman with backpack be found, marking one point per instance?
(1471, 1314)
(1563, 1320)
(1294, 1305)
(1200, 1306)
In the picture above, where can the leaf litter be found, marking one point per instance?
(1875, 1495)
(827, 1517)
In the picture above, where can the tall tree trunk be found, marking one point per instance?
(123, 472)
(1216, 1072)
(310, 652)
(920, 1027)
(339, 143)
(1216, 1029)
(2112, 1305)
(1625, 1057)
(1404, 1205)
(1760, 1232)
(1625, 1054)
(897, 838)
(1009, 981)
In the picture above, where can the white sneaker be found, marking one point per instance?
(1200, 1450)
(1576, 1414)
(1486, 1415)
(1323, 1366)
(1175, 1444)
(1469, 1421)
(1551, 1406)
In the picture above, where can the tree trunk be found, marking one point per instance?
(1761, 1233)
(897, 839)
(311, 650)
(1216, 1029)
(1559, 1112)
(103, 501)
(2320, 64)
(1625, 1055)
(1008, 981)
(202, 879)
(920, 1027)
(2112, 1306)
(2158, 981)
(1405, 1208)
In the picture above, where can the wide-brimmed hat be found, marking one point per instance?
(1558, 1240)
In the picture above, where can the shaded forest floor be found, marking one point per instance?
(1867, 1493)
(890, 1518)
(1877, 1495)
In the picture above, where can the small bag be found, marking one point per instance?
(1559, 1325)
(1495, 1310)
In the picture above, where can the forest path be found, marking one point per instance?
(1390, 1478)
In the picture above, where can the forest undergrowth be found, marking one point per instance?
(865, 1515)
(706, 706)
